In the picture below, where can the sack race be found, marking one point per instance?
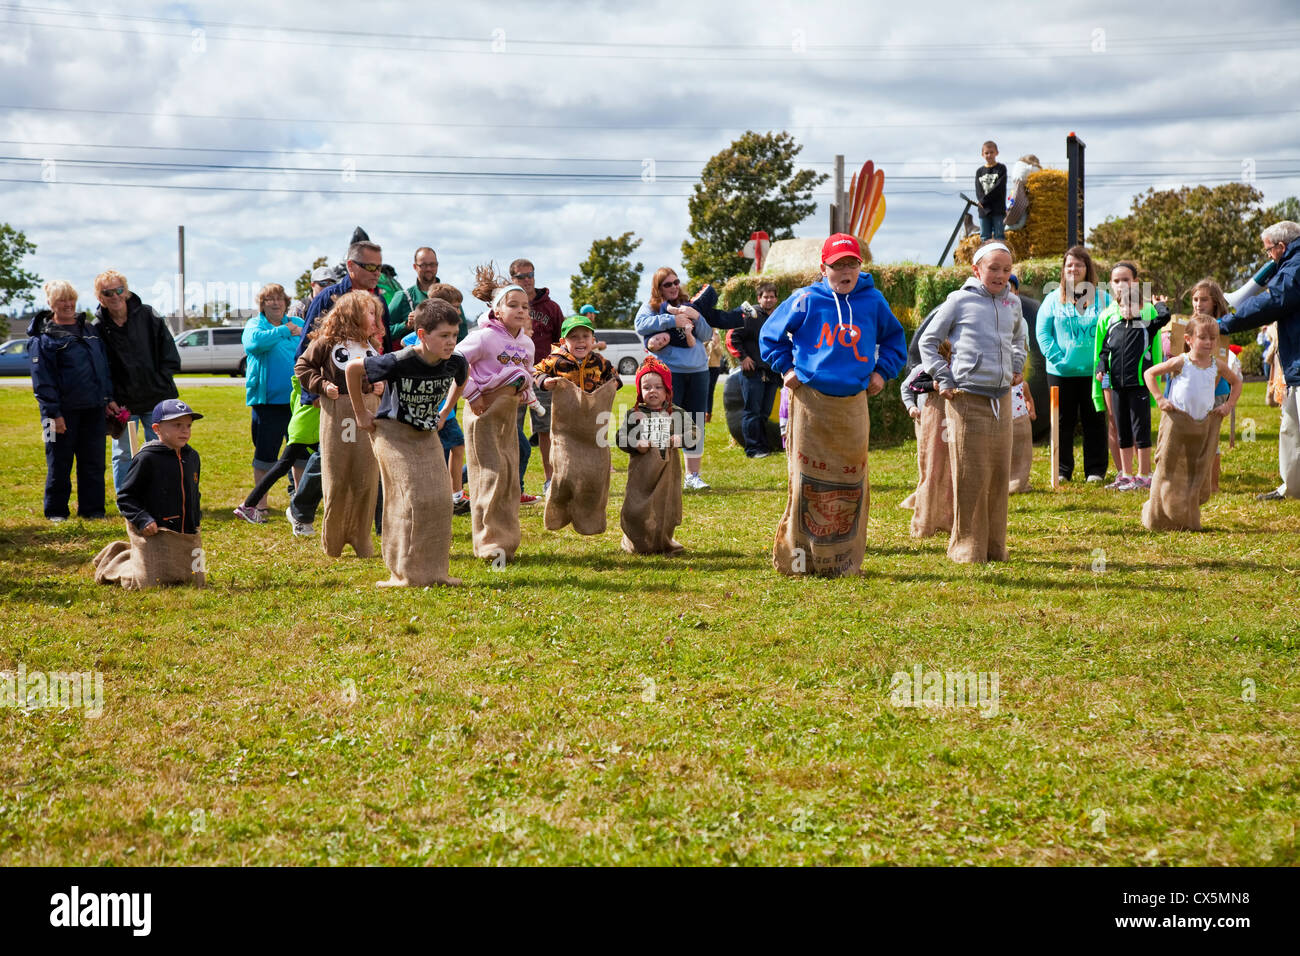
(349, 478)
(1022, 454)
(652, 503)
(932, 503)
(492, 454)
(580, 457)
(1210, 486)
(824, 528)
(169, 557)
(1184, 459)
(416, 543)
(980, 450)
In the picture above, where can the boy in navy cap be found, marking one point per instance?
(162, 488)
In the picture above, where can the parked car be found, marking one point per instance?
(219, 349)
(624, 349)
(13, 358)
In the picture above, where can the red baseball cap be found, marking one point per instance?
(838, 247)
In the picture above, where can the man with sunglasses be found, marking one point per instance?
(142, 358)
(547, 318)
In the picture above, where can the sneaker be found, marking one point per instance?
(527, 499)
(1096, 479)
(1273, 495)
(1063, 479)
(251, 515)
(1141, 481)
(694, 482)
(300, 530)
(460, 506)
(1121, 483)
(57, 519)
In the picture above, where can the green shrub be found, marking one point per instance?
(1252, 359)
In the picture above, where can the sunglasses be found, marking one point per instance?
(522, 275)
(112, 292)
(368, 266)
(669, 285)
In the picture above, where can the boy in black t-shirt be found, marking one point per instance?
(991, 192)
(425, 381)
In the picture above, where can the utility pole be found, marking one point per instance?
(180, 251)
(838, 211)
(1074, 191)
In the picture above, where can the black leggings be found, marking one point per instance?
(1133, 417)
(293, 452)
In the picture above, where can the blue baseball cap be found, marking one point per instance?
(589, 310)
(171, 408)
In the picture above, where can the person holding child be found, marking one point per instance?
(982, 321)
(834, 344)
(424, 382)
(1189, 431)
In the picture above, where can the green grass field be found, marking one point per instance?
(588, 706)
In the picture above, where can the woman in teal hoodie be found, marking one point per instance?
(269, 343)
(1066, 331)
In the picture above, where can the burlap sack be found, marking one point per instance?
(169, 557)
(1022, 454)
(349, 478)
(1210, 486)
(824, 528)
(652, 503)
(416, 543)
(932, 503)
(1184, 459)
(980, 450)
(580, 457)
(492, 454)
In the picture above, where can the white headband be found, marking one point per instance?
(501, 294)
(985, 250)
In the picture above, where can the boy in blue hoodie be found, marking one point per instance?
(834, 344)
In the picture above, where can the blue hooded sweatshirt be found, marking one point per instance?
(834, 342)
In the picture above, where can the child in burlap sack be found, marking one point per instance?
(424, 384)
(160, 501)
(349, 473)
(583, 382)
(500, 357)
(1189, 429)
(1023, 414)
(983, 322)
(931, 502)
(652, 434)
(834, 343)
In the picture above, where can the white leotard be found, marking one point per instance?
(1192, 389)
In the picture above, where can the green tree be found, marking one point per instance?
(1288, 209)
(1180, 236)
(302, 287)
(750, 185)
(608, 279)
(16, 284)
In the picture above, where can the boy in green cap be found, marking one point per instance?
(575, 358)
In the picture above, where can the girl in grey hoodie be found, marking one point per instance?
(983, 322)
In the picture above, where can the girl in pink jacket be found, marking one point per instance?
(499, 352)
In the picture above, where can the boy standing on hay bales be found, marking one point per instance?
(991, 192)
(160, 501)
(424, 384)
(983, 322)
(834, 343)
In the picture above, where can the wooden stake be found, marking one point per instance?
(1056, 437)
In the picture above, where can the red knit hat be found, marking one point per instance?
(652, 364)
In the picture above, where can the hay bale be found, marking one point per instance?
(800, 256)
(1044, 233)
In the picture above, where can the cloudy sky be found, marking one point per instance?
(491, 131)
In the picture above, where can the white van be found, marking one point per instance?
(624, 349)
(219, 349)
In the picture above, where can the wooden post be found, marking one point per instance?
(180, 252)
(1056, 437)
(841, 211)
(1232, 429)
